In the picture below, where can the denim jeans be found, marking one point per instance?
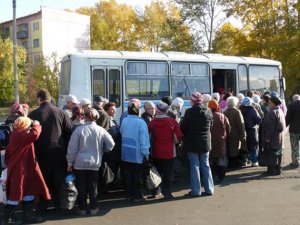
(252, 143)
(199, 163)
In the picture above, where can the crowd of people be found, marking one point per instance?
(217, 132)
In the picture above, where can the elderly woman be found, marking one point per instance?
(86, 147)
(195, 126)
(252, 120)
(176, 105)
(25, 181)
(237, 136)
(273, 127)
(219, 132)
(165, 131)
(149, 113)
(135, 149)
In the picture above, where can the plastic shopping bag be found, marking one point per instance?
(68, 192)
(3, 178)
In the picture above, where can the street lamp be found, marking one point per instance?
(16, 87)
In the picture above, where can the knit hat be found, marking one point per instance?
(177, 102)
(162, 107)
(98, 98)
(149, 105)
(17, 108)
(296, 97)
(276, 100)
(256, 98)
(275, 94)
(216, 96)
(247, 101)
(91, 114)
(214, 105)
(167, 99)
(135, 101)
(206, 97)
(196, 97)
(22, 123)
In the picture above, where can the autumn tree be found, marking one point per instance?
(7, 72)
(204, 17)
(44, 74)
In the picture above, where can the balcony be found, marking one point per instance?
(22, 34)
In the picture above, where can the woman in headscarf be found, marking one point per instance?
(165, 133)
(237, 136)
(135, 149)
(195, 126)
(24, 178)
(219, 132)
(85, 150)
(273, 128)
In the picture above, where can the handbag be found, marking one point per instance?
(3, 178)
(107, 174)
(68, 192)
(153, 179)
(267, 157)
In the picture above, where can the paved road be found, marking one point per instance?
(245, 198)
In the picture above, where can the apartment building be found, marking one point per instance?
(50, 31)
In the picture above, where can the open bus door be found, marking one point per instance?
(225, 79)
(106, 82)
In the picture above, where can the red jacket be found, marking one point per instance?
(24, 176)
(163, 131)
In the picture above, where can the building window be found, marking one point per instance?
(25, 44)
(36, 43)
(36, 59)
(22, 27)
(5, 32)
(35, 26)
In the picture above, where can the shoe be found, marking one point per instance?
(94, 211)
(81, 212)
(138, 200)
(293, 166)
(157, 196)
(190, 195)
(205, 194)
(255, 164)
(168, 197)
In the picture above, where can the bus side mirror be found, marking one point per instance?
(282, 83)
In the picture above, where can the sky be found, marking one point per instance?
(26, 7)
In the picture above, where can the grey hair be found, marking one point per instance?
(296, 97)
(232, 101)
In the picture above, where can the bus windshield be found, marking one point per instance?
(188, 78)
(147, 80)
(264, 78)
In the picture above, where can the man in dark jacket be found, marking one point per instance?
(51, 147)
(293, 120)
(195, 127)
(104, 119)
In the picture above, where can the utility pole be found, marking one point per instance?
(16, 81)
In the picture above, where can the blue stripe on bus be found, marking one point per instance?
(185, 104)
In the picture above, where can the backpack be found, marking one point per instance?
(5, 132)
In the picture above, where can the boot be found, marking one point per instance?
(28, 217)
(9, 213)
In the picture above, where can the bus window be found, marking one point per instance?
(243, 84)
(189, 77)
(114, 87)
(264, 78)
(65, 78)
(147, 80)
(98, 82)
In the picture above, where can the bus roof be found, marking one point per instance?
(173, 56)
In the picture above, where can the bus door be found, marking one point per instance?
(224, 78)
(106, 82)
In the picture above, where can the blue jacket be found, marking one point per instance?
(135, 139)
(251, 116)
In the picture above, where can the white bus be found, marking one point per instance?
(122, 75)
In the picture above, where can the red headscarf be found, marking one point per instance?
(214, 105)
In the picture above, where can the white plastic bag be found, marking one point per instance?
(3, 178)
(153, 179)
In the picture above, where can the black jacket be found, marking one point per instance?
(195, 127)
(51, 147)
(293, 117)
